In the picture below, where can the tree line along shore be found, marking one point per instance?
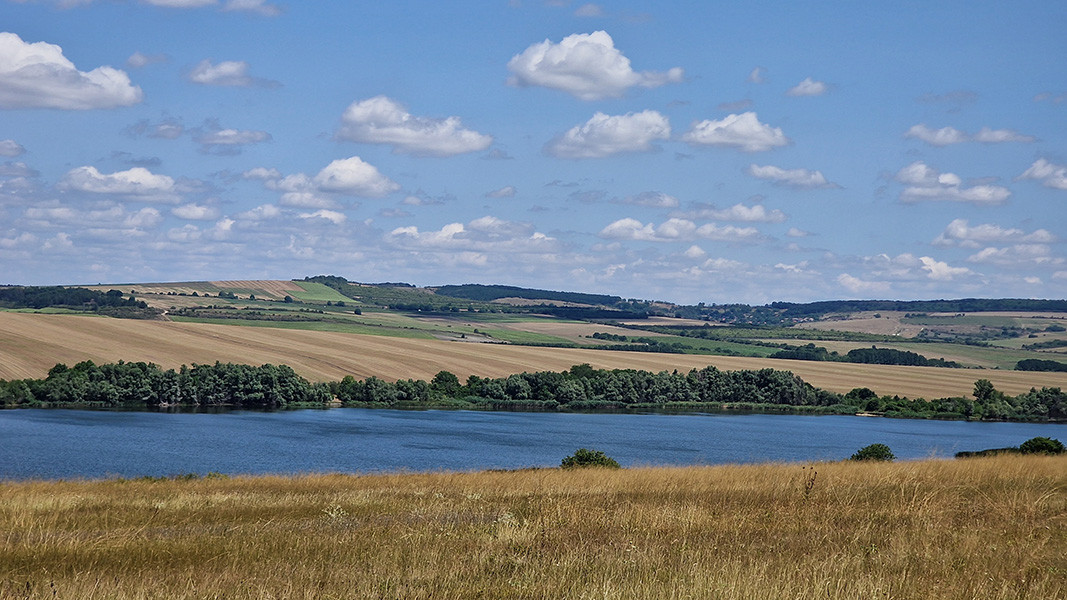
(140, 385)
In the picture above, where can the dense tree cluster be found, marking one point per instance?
(1036, 364)
(579, 388)
(148, 385)
(867, 356)
(65, 297)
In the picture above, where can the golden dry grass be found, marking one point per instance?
(991, 529)
(30, 344)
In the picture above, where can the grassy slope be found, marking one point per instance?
(980, 528)
(31, 344)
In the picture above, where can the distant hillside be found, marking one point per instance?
(811, 309)
(488, 293)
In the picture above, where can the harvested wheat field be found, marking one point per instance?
(30, 344)
(992, 528)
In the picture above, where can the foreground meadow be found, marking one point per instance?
(981, 528)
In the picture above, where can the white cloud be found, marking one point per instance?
(353, 177)
(589, 10)
(986, 135)
(959, 232)
(262, 173)
(1016, 255)
(329, 215)
(381, 120)
(808, 87)
(797, 233)
(926, 183)
(229, 141)
(507, 191)
(483, 235)
(180, 3)
(258, 7)
(798, 178)
(604, 135)
(37, 75)
(756, 213)
(950, 135)
(1049, 174)
(587, 66)
(937, 137)
(262, 212)
(11, 148)
(676, 229)
(652, 200)
(695, 252)
(227, 73)
(137, 183)
(758, 75)
(859, 286)
(138, 60)
(743, 131)
(195, 212)
(941, 271)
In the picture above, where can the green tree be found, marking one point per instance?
(1042, 445)
(584, 457)
(879, 452)
(446, 382)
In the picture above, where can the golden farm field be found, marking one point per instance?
(30, 344)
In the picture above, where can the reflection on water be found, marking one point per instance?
(63, 444)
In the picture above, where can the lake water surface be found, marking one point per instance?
(67, 444)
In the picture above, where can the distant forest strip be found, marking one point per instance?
(867, 356)
(581, 388)
(496, 292)
(792, 309)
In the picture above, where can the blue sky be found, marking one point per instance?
(682, 151)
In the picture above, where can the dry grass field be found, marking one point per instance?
(30, 344)
(990, 529)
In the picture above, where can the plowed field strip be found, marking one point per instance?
(30, 344)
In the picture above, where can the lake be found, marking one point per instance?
(71, 444)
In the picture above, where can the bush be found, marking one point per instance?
(589, 458)
(874, 452)
(1042, 445)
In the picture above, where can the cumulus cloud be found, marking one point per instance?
(743, 131)
(328, 215)
(960, 233)
(11, 148)
(651, 200)
(808, 87)
(228, 141)
(946, 136)
(381, 120)
(257, 7)
(604, 135)
(926, 183)
(757, 213)
(138, 60)
(353, 177)
(589, 10)
(941, 271)
(137, 183)
(586, 65)
(1049, 174)
(675, 229)
(232, 73)
(507, 191)
(860, 286)
(195, 212)
(1017, 256)
(166, 129)
(487, 234)
(797, 178)
(37, 75)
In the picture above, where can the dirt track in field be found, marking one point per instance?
(30, 344)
